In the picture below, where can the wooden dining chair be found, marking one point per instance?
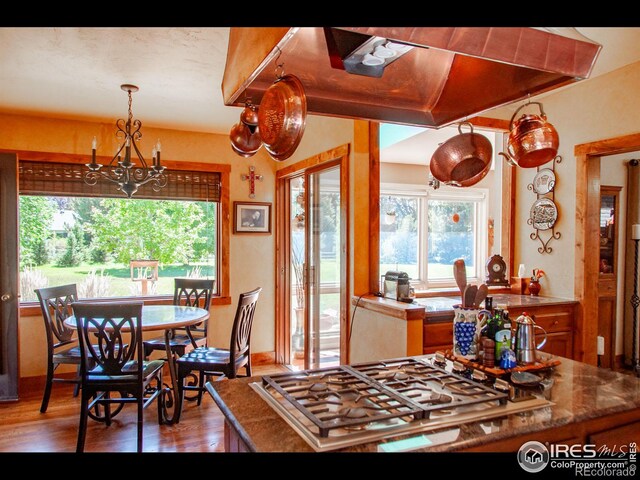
(116, 366)
(62, 344)
(191, 292)
(222, 362)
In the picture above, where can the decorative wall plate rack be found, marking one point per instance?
(544, 211)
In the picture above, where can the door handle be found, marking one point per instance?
(6, 297)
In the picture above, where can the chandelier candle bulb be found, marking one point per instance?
(94, 145)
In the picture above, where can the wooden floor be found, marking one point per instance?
(24, 429)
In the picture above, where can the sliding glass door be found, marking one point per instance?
(314, 275)
(323, 278)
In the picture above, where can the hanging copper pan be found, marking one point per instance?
(462, 160)
(282, 117)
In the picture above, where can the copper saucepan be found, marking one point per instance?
(462, 160)
(532, 140)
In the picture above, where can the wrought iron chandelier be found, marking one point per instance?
(123, 172)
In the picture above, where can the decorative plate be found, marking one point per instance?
(544, 181)
(544, 214)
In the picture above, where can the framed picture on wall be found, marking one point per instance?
(251, 217)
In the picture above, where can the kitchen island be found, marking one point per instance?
(588, 405)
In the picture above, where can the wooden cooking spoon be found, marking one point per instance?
(460, 274)
(483, 291)
(470, 295)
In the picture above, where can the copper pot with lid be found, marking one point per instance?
(245, 135)
(533, 141)
(462, 160)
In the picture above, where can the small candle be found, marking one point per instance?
(158, 145)
(635, 232)
(521, 270)
(94, 144)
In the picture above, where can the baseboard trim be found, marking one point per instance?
(263, 358)
(36, 383)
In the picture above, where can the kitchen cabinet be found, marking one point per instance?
(558, 321)
(559, 343)
(556, 318)
(622, 435)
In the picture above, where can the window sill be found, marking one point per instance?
(454, 292)
(31, 309)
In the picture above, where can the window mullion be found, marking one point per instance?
(423, 257)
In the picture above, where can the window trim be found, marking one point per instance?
(224, 224)
(479, 196)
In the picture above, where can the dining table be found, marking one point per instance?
(166, 318)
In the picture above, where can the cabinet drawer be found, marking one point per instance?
(556, 319)
(438, 334)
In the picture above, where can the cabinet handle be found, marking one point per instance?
(555, 322)
(6, 297)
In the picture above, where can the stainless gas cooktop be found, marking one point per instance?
(336, 407)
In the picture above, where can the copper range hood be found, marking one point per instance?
(449, 74)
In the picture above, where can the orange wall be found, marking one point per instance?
(252, 258)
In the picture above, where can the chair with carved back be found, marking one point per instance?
(191, 292)
(222, 362)
(113, 366)
(62, 345)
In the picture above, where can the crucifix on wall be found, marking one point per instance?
(252, 177)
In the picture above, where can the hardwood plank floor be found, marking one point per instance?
(24, 429)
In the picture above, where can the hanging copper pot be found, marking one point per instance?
(282, 117)
(249, 116)
(462, 160)
(243, 141)
(533, 141)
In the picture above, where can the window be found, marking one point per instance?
(424, 232)
(111, 246)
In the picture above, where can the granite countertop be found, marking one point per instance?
(442, 304)
(579, 392)
(430, 306)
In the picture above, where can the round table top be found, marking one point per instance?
(163, 317)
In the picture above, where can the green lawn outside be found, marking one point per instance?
(119, 277)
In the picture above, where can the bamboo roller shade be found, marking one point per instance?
(67, 179)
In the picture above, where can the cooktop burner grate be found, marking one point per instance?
(432, 388)
(340, 398)
(359, 396)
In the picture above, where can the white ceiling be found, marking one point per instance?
(77, 72)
